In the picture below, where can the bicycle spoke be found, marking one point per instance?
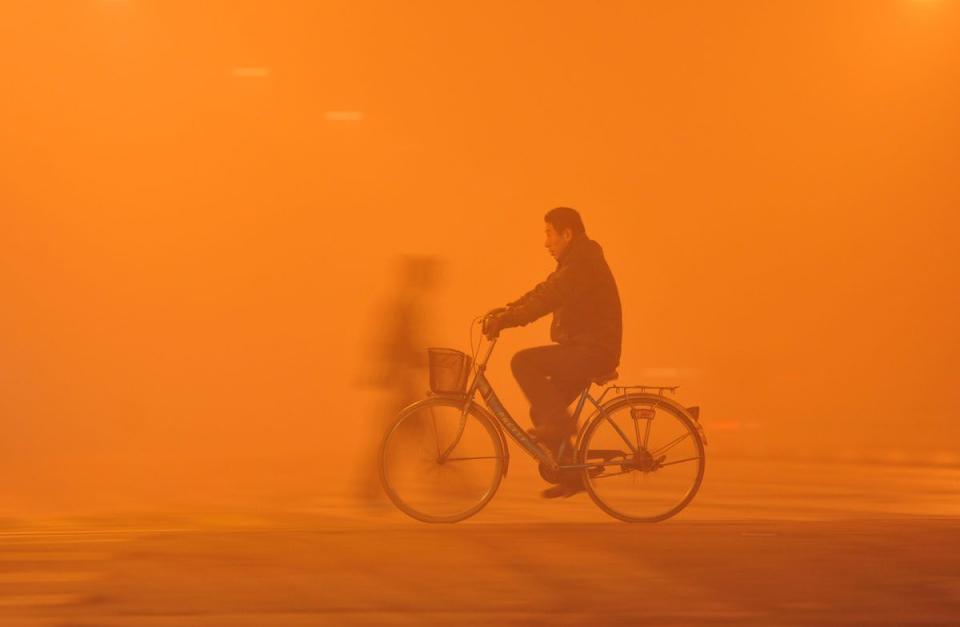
(605, 454)
(456, 439)
(679, 461)
(464, 459)
(436, 431)
(646, 432)
(427, 453)
(617, 428)
(636, 428)
(613, 474)
(669, 445)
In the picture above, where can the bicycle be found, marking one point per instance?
(443, 458)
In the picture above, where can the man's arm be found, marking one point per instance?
(526, 297)
(542, 299)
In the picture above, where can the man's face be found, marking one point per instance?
(556, 242)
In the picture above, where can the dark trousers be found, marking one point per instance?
(553, 376)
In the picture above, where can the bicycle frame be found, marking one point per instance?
(481, 384)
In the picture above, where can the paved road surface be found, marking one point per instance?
(880, 546)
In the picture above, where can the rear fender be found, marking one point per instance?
(641, 398)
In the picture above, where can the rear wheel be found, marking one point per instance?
(646, 458)
(439, 463)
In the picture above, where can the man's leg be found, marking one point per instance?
(551, 377)
(531, 368)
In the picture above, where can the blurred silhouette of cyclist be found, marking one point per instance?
(582, 295)
(398, 356)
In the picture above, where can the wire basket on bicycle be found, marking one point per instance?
(449, 370)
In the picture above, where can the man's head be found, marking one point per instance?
(562, 225)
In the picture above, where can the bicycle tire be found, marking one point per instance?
(483, 421)
(617, 406)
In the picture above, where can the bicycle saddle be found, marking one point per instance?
(607, 377)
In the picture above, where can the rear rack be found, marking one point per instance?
(622, 389)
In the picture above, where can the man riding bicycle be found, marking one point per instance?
(587, 330)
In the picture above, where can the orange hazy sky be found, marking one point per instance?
(201, 203)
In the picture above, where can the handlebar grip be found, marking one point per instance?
(486, 318)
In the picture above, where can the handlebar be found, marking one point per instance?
(482, 359)
(483, 325)
(486, 317)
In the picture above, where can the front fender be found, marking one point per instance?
(483, 411)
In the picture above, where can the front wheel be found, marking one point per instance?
(441, 460)
(645, 458)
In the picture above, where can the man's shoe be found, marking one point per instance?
(556, 491)
(567, 488)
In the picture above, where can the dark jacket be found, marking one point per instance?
(583, 297)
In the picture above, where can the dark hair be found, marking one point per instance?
(565, 218)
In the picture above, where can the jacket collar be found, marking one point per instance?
(578, 242)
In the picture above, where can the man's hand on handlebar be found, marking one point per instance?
(491, 323)
(494, 312)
